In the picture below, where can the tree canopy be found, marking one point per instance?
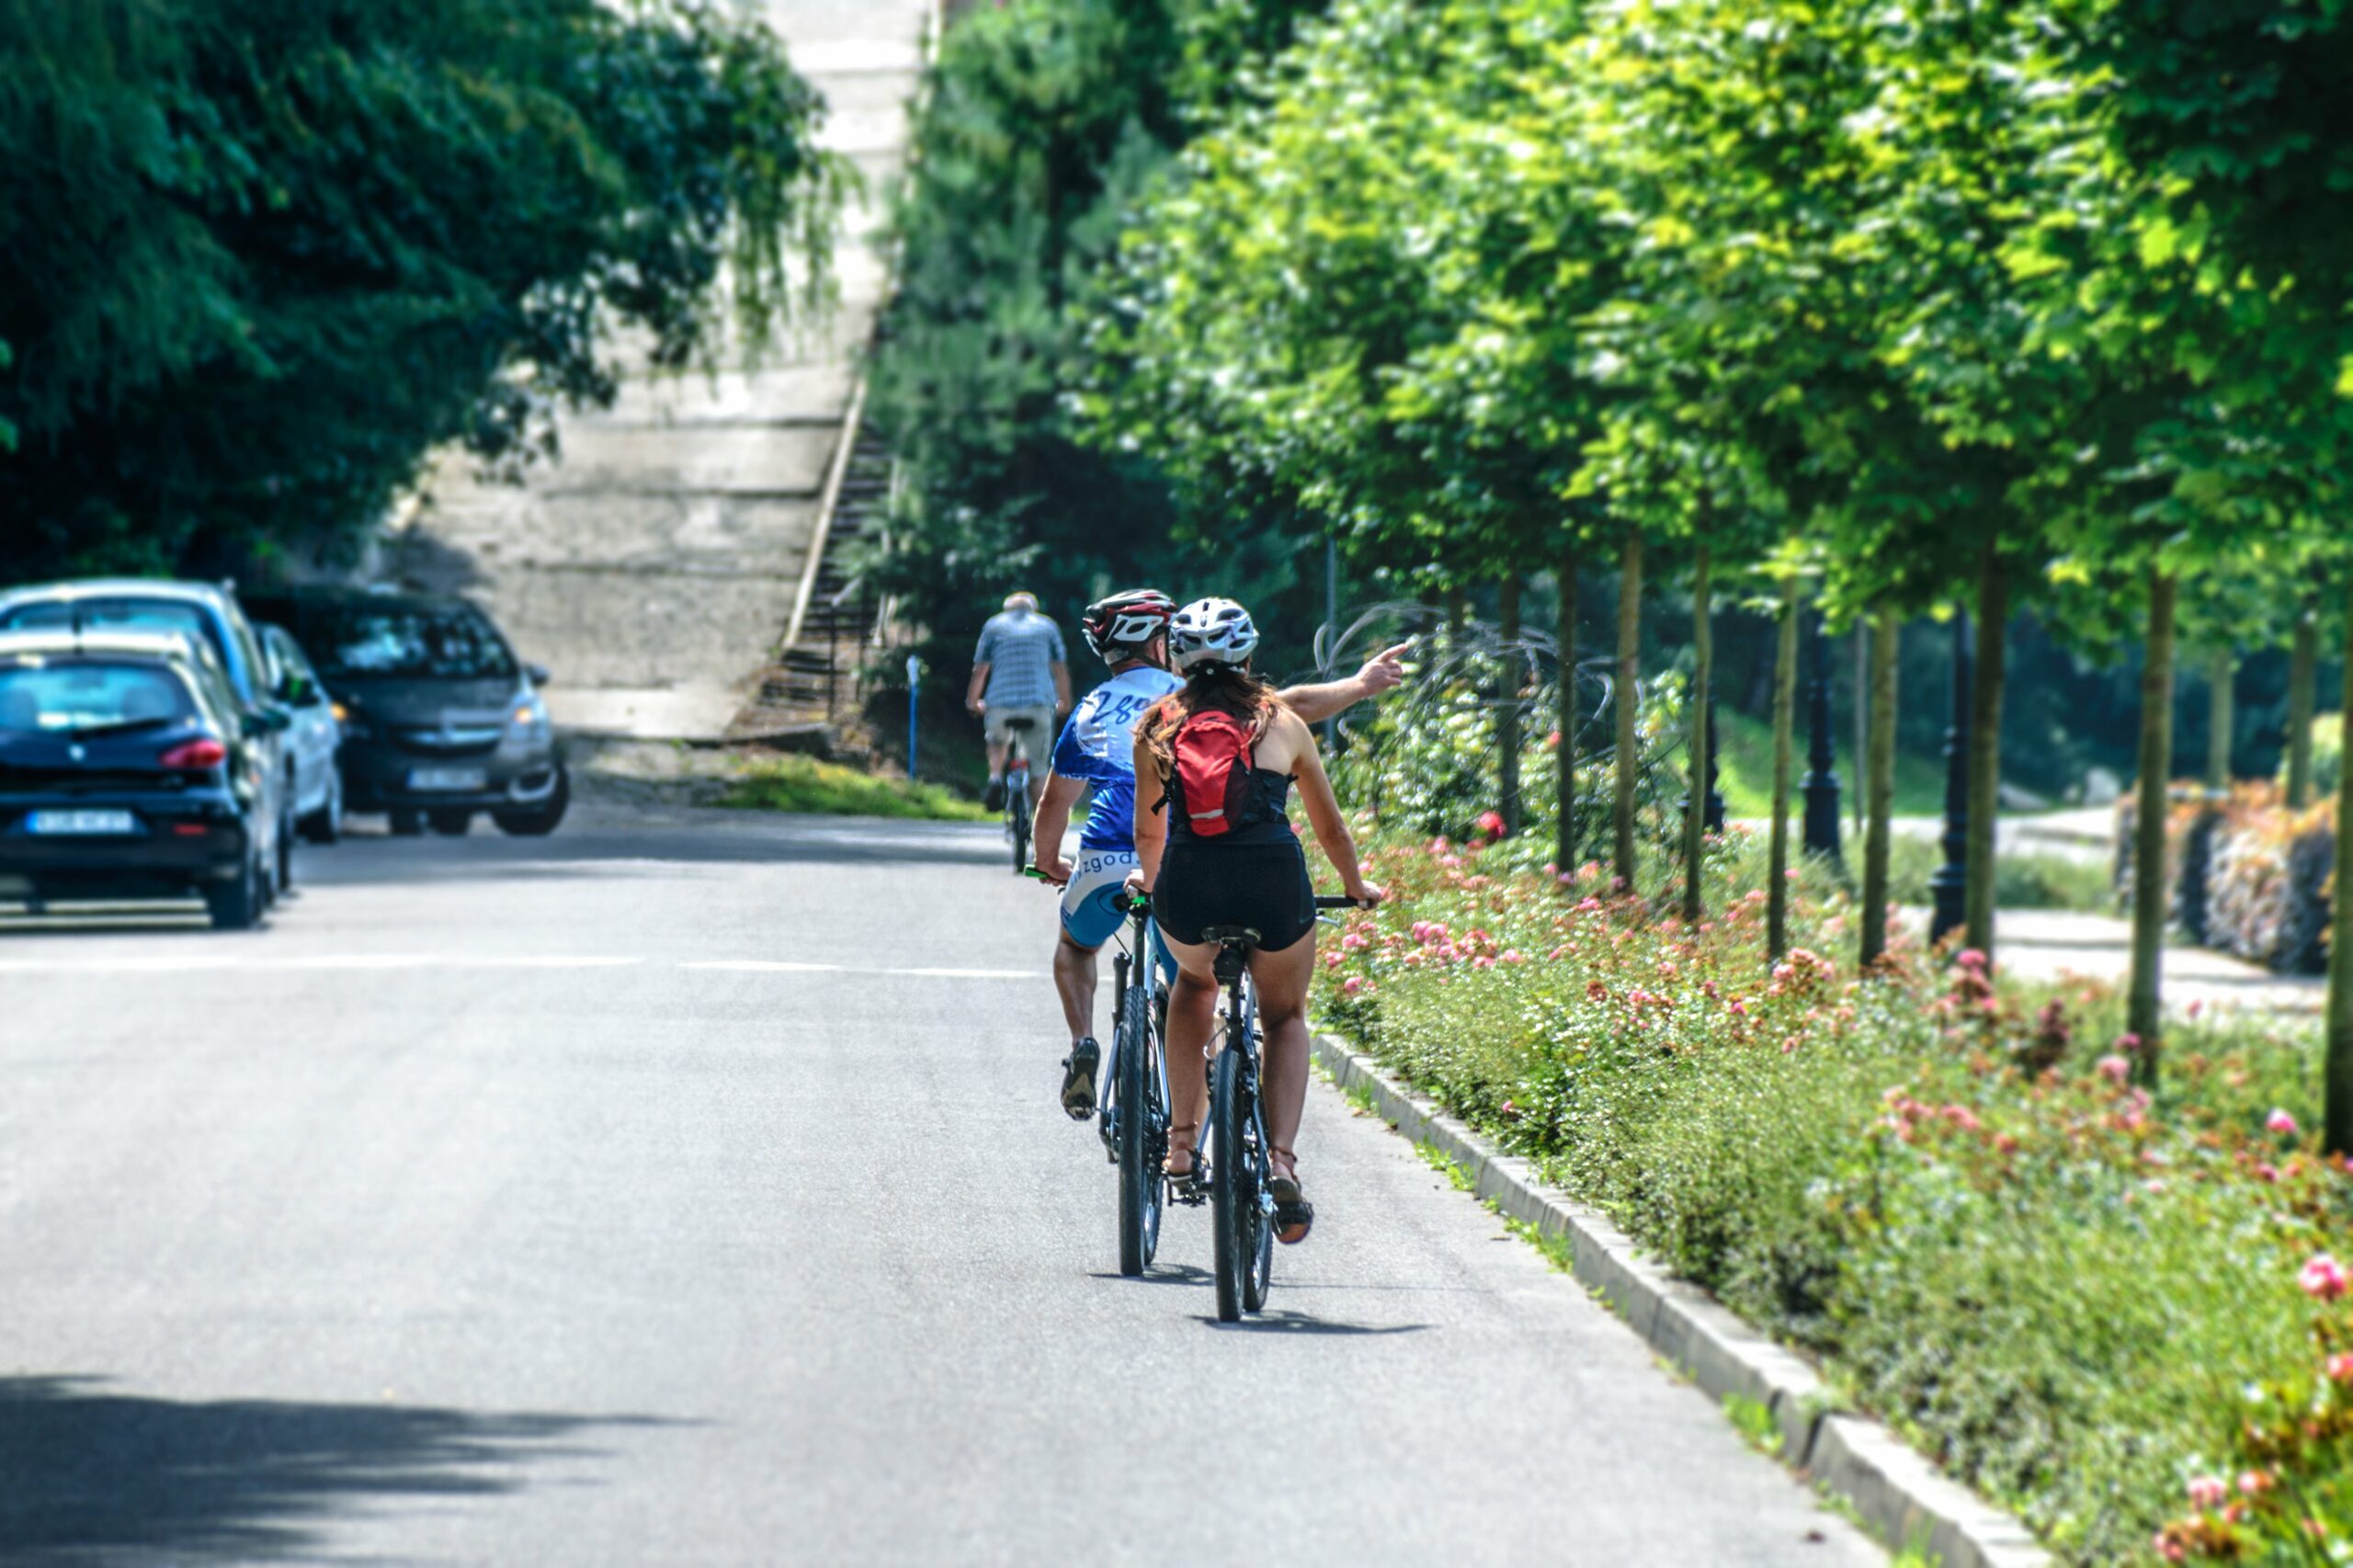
(259, 256)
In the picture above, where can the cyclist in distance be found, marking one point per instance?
(1128, 631)
(1019, 672)
(1215, 847)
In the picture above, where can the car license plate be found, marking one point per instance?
(447, 780)
(82, 824)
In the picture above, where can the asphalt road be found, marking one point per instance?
(689, 1188)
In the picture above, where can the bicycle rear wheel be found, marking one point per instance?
(1237, 1226)
(1139, 1121)
(1016, 812)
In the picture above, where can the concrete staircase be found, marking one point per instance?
(681, 564)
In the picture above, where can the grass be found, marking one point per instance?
(1745, 773)
(803, 784)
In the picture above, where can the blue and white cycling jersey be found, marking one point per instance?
(1098, 745)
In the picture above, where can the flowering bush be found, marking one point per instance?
(2251, 877)
(1950, 1189)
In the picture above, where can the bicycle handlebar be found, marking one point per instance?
(1341, 900)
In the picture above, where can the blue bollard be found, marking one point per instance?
(915, 676)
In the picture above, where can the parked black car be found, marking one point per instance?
(440, 720)
(207, 614)
(129, 769)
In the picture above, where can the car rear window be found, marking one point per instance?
(452, 643)
(124, 613)
(72, 697)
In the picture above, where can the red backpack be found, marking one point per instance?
(1212, 784)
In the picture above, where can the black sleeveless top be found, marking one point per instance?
(1266, 820)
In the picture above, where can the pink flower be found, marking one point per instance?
(1353, 942)
(1352, 985)
(2340, 1366)
(2196, 1006)
(1483, 962)
(1492, 823)
(1513, 955)
(2171, 1550)
(2209, 1492)
(2280, 1122)
(2005, 1143)
(1738, 1009)
(2324, 1279)
(2114, 1069)
(1970, 958)
(2253, 1481)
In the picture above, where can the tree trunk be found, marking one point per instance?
(1879, 785)
(1785, 721)
(2336, 1113)
(1629, 665)
(2144, 1015)
(2221, 718)
(2304, 676)
(1507, 728)
(1695, 806)
(1986, 751)
(1565, 757)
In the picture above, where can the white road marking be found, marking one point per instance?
(764, 966)
(197, 963)
(963, 974)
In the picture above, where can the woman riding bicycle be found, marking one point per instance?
(1216, 847)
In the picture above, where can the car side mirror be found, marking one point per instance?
(538, 674)
(269, 722)
(299, 691)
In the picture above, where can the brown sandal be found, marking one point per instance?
(1294, 1216)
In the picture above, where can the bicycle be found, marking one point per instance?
(1242, 1200)
(1016, 791)
(1134, 1108)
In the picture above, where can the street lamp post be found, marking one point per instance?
(1951, 884)
(1821, 759)
(1715, 818)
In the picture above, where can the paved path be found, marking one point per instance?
(655, 565)
(686, 1188)
(2039, 944)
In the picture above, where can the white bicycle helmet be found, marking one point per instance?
(1210, 631)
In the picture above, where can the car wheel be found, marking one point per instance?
(236, 904)
(325, 824)
(405, 822)
(532, 822)
(452, 821)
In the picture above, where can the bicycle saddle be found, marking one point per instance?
(1024, 724)
(1230, 936)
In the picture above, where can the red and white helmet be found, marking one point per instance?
(1122, 625)
(1210, 631)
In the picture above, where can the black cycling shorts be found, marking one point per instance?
(1263, 886)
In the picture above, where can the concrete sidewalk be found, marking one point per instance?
(2049, 944)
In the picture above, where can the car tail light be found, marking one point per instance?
(204, 752)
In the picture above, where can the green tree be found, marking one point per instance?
(258, 258)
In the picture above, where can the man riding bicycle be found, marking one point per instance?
(1020, 682)
(1128, 631)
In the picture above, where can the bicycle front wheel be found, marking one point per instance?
(1138, 1111)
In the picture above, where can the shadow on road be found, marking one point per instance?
(93, 1476)
(1284, 1321)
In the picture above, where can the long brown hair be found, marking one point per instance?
(1224, 688)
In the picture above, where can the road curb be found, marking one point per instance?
(1898, 1493)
